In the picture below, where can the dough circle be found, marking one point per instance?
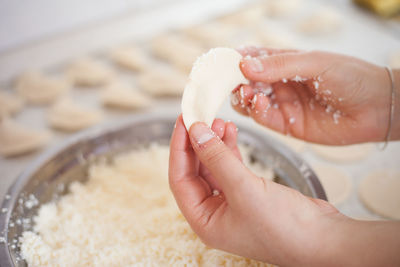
(214, 75)
(343, 154)
(379, 192)
(336, 183)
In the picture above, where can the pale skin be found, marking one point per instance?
(262, 220)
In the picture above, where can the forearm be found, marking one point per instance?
(362, 243)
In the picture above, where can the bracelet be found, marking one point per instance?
(392, 107)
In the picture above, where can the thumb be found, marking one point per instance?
(229, 172)
(274, 68)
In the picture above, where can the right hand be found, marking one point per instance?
(342, 100)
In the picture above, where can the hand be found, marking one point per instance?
(259, 219)
(335, 100)
(251, 216)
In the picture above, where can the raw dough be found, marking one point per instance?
(343, 154)
(248, 16)
(66, 115)
(213, 77)
(89, 72)
(162, 81)
(16, 140)
(123, 96)
(274, 38)
(9, 104)
(212, 34)
(177, 50)
(37, 88)
(337, 183)
(130, 57)
(326, 20)
(394, 61)
(379, 191)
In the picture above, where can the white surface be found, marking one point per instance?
(359, 37)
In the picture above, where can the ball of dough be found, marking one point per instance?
(66, 115)
(336, 183)
(176, 49)
(122, 96)
(343, 154)
(16, 140)
(9, 104)
(323, 21)
(89, 72)
(130, 57)
(162, 81)
(213, 77)
(379, 191)
(37, 88)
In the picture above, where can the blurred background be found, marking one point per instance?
(69, 65)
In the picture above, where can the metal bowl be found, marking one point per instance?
(48, 177)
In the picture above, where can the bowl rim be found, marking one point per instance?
(109, 127)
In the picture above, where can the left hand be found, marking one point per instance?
(252, 216)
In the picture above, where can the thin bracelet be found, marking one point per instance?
(392, 106)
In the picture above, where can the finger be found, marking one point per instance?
(230, 139)
(274, 68)
(267, 113)
(218, 128)
(226, 168)
(188, 189)
(242, 97)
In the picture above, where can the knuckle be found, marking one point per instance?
(215, 154)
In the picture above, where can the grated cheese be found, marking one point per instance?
(124, 215)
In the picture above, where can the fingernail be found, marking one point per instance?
(254, 64)
(201, 133)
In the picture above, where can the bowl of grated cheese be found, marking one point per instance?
(102, 199)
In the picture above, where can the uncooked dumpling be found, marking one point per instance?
(278, 8)
(379, 191)
(9, 104)
(160, 81)
(15, 139)
(343, 153)
(323, 21)
(213, 77)
(177, 50)
(89, 72)
(37, 88)
(66, 115)
(123, 96)
(249, 16)
(337, 183)
(212, 34)
(130, 57)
